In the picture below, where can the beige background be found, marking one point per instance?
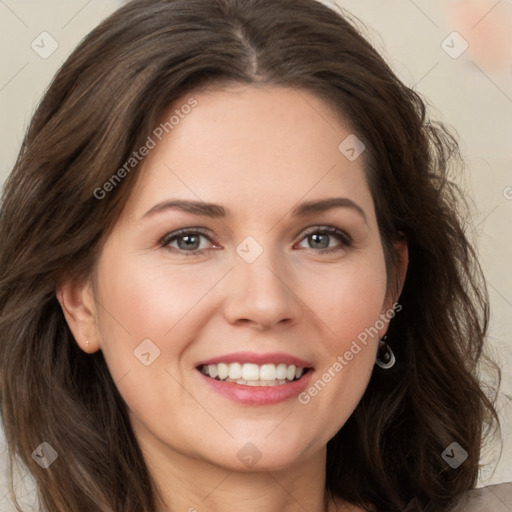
(472, 93)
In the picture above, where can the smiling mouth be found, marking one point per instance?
(250, 374)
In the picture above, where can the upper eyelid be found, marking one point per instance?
(330, 230)
(184, 231)
(322, 228)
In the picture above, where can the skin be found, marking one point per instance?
(257, 151)
(486, 30)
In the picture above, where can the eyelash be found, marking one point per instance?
(166, 240)
(343, 237)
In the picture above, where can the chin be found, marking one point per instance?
(259, 456)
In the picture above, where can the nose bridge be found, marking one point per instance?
(264, 273)
(259, 290)
(264, 278)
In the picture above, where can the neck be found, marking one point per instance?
(192, 485)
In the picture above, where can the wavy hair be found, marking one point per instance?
(100, 108)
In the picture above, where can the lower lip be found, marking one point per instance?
(259, 395)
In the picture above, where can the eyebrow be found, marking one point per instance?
(193, 207)
(323, 205)
(212, 210)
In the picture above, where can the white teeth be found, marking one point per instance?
(212, 370)
(251, 374)
(281, 371)
(235, 371)
(223, 370)
(268, 372)
(259, 383)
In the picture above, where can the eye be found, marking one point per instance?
(188, 241)
(325, 239)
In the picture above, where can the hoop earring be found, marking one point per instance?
(385, 357)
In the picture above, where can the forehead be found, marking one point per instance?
(249, 146)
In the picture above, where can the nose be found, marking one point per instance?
(261, 294)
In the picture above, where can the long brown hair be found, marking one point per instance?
(100, 108)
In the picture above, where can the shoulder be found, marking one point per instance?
(494, 498)
(497, 498)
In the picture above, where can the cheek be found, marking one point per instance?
(349, 305)
(349, 299)
(147, 319)
(149, 299)
(142, 300)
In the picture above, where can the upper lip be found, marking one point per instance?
(259, 359)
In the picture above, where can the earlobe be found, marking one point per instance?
(77, 303)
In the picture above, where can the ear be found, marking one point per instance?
(79, 308)
(403, 263)
(395, 291)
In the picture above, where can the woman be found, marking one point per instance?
(235, 274)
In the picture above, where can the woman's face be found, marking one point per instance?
(251, 241)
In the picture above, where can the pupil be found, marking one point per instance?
(319, 240)
(188, 242)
